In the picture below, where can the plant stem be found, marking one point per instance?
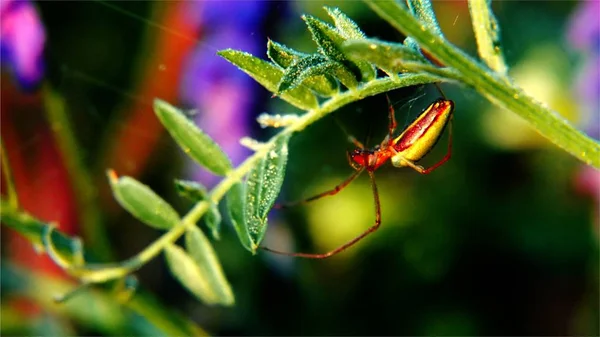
(498, 89)
(104, 272)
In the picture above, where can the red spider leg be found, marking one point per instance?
(349, 243)
(392, 116)
(332, 191)
(356, 142)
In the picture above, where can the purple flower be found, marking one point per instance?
(584, 27)
(584, 35)
(22, 40)
(223, 95)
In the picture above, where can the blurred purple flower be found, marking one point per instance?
(584, 35)
(223, 95)
(22, 40)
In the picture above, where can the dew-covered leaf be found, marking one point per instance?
(145, 205)
(236, 206)
(187, 272)
(281, 55)
(200, 249)
(324, 85)
(262, 187)
(197, 144)
(269, 75)
(315, 65)
(330, 43)
(387, 56)
(423, 10)
(345, 26)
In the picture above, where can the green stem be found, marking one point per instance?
(13, 198)
(498, 89)
(86, 194)
(104, 272)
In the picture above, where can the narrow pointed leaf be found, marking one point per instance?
(187, 272)
(323, 85)
(387, 56)
(236, 205)
(283, 56)
(315, 65)
(269, 75)
(145, 205)
(423, 10)
(213, 220)
(51, 250)
(487, 34)
(326, 37)
(330, 42)
(203, 254)
(197, 144)
(263, 185)
(196, 192)
(346, 26)
(190, 190)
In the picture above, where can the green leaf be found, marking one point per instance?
(203, 254)
(487, 34)
(263, 185)
(423, 10)
(195, 192)
(323, 85)
(330, 41)
(213, 220)
(61, 260)
(145, 205)
(187, 272)
(269, 75)
(345, 26)
(191, 190)
(282, 55)
(236, 205)
(387, 56)
(315, 65)
(198, 145)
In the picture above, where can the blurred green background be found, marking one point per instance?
(498, 241)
